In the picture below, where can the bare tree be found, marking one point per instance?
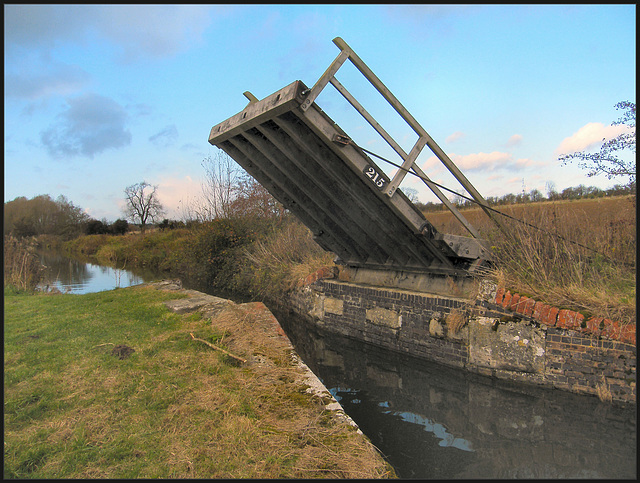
(222, 176)
(142, 203)
(254, 200)
(228, 191)
(607, 161)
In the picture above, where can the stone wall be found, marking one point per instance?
(519, 340)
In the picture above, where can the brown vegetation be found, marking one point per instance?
(22, 269)
(575, 254)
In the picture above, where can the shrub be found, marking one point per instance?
(273, 265)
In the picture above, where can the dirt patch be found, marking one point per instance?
(122, 351)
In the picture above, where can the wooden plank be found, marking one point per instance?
(342, 170)
(338, 207)
(318, 228)
(284, 100)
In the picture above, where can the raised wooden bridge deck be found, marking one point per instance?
(309, 164)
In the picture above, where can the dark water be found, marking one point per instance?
(430, 421)
(433, 422)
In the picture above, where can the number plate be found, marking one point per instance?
(376, 177)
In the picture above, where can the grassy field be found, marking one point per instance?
(78, 405)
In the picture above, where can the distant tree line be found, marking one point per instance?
(42, 215)
(97, 227)
(533, 196)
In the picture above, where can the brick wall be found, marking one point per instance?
(504, 335)
(563, 318)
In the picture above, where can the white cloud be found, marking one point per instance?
(514, 140)
(44, 81)
(454, 137)
(481, 161)
(589, 136)
(140, 31)
(153, 30)
(176, 193)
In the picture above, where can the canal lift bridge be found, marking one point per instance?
(311, 166)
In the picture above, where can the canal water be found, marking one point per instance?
(434, 422)
(69, 275)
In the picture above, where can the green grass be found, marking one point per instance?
(173, 408)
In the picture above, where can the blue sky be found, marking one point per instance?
(98, 98)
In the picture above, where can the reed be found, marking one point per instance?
(22, 268)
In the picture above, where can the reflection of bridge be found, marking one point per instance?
(289, 145)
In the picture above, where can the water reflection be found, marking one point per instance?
(70, 275)
(435, 422)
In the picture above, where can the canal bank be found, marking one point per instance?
(113, 385)
(253, 325)
(253, 329)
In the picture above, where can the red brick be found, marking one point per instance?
(499, 295)
(529, 307)
(326, 272)
(514, 301)
(628, 334)
(579, 318)
(562, 318)
(506, 300)
(544, 312)
(611, 329)
(519, 306)
(323, 273)
(537, 310)
(551, 317)
(593, 325)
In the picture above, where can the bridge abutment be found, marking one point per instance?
(465, 328)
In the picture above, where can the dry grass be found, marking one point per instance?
(455, 321)
(275, 265)
(553, 264)
(603, 391)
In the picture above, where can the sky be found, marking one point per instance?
(100, 97)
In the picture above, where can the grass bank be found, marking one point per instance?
(78, 404)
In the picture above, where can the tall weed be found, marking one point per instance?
(570, 258)
(273, 265)
(22, 268)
